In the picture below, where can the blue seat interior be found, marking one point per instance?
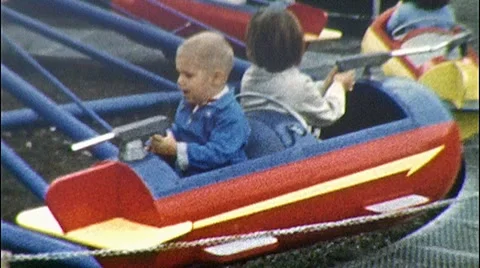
(156, 173)
(272, 132)
(366, 107)
(277, 138)
(262, 141)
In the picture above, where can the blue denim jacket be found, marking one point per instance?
(215, 134)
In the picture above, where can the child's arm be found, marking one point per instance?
(322, 107)
(346, 79)
(227, 139)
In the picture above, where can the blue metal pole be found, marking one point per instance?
(145, 33)
(148, 34)
(41, 28)
(22, 171)
(50, 111)
(55, 81)
(22, 117)
(17, 240)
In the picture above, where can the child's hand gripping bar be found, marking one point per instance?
(378, 58)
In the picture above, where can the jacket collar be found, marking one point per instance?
(222, 99)
(219, 101)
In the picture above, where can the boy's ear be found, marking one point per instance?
(219, 77)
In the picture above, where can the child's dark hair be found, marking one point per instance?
(429, 4)
(274, 39)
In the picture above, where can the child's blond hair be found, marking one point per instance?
(210, 50)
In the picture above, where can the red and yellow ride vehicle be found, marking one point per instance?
(396, 147)
(452, 73)
(185, 17)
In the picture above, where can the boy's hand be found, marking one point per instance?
(347, 79)
(164, 145)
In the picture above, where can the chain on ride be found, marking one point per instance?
(8, 257)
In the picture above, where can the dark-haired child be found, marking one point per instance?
(275, 46)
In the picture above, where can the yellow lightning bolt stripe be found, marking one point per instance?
(119, 233)
(411, 163)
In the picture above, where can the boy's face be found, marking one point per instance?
(195, 81)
